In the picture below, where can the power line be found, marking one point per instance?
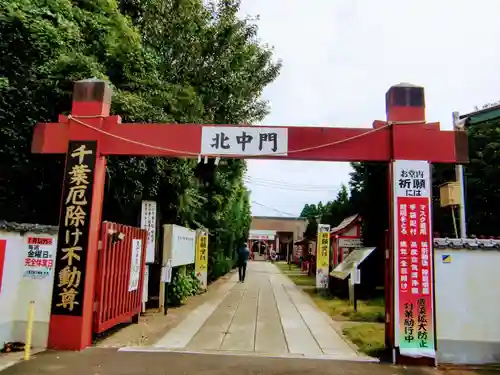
(290, 187)
(286, 183)
(274, 209)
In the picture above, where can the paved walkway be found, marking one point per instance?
(267, 315)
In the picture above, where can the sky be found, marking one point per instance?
(339, 59)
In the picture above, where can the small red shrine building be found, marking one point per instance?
(346, 237)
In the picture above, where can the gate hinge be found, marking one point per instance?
(387, 318)
(99, 245)
(96, 305)
(386, 253)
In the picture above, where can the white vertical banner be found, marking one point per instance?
(148, 222)
(145, 287)
(135, 265)
(413, 255)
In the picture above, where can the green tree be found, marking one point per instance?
(482, 190)
(333, 212)
(367, 195)
(174, 61)
(46, 45)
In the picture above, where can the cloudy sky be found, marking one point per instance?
(341, 56)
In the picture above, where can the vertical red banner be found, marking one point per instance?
(413, 273)
(3, 250)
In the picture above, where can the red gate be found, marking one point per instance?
(120, 274)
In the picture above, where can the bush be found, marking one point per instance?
(183, 285)
(221, 266)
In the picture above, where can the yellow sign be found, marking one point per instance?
(446, 258)
(201, 261)
(322, 256)
(323, 250)
(323, 247)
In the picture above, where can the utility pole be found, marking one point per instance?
(459, 176)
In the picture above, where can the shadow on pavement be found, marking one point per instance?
(96, 361)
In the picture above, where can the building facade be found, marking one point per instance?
(279, 233)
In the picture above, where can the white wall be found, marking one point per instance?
(19, 289)
(468, 305)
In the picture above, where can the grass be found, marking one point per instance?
(339, 309)
(368, 337)
(298, 277)
(364, 327)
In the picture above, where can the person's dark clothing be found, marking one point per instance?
(242, 271)
(243, 255)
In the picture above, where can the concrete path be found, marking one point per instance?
(265, 316)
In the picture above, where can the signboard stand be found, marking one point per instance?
(354, 279)
(166, 299)
(166, 278)
(288, 258)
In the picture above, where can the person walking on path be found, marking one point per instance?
(274, 256)
(243, 255)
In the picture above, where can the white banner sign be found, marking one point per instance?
(350, 242)
(135, 265)
(248, 140)
(256, 237)
(166, 272)
(412, 178)
(40, 257)
(148, 222)
(179, 244)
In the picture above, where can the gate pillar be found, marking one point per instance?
(71, 316)
(410, 314)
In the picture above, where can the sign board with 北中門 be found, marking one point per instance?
(244, 140)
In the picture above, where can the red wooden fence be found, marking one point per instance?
(115, 304)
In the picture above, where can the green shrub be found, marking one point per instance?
(184, 284)
(221, 266)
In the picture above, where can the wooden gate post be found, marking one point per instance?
(412, 323)
(80, 219)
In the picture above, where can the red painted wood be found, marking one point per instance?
(115, 304)
(3, 250)
(75, 332)
(413, 141)
(410, 141)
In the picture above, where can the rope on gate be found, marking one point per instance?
(334, 143)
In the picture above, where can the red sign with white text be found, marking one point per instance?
(3, 250)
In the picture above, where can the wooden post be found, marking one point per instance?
(405, 107)
(72, 306)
